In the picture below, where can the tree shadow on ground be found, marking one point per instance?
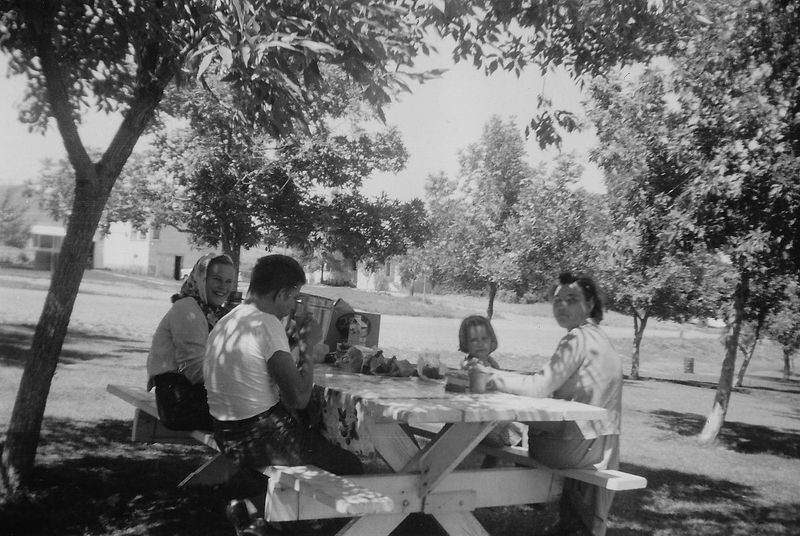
(737, 436)
(679, 503)
(90, 479)
(752, 384)
(15, 345)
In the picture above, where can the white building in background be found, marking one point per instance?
(168, 253)
(44, 244)
(159, 252)
(386, 278)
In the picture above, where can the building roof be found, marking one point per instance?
(48, 230)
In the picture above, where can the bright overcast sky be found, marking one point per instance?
(437, 120)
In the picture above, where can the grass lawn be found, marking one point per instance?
(90, 479)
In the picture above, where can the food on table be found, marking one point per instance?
(431, 372)
(457, 381)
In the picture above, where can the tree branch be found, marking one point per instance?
(40, 17)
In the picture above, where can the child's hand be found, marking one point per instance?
(470, 362)
(480, 367)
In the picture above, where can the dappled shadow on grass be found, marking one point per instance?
(89, 479)
(678, 503)
(737, 436)
(15, 345)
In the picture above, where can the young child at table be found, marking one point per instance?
(477, 339)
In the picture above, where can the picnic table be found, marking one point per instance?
(422, 433)
(393, 415)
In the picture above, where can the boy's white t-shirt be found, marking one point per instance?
(237, 380)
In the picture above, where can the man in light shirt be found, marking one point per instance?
(256, 387)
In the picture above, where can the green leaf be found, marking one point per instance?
(206, 61)
(225, 55)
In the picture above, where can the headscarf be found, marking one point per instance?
(195, 287)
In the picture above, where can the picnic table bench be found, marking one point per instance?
(340, 494)
(610, 479)
(394, 414)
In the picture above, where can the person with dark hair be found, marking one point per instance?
(175, 361)
(256, 389)
(584, 368)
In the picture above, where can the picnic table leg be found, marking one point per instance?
(217, 470)
(461, 523)
(402, 453)
(392, 443)
(371, 525)
(436, 461)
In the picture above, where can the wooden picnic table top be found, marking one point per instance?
(413, 400)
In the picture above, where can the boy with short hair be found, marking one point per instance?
(255, 387)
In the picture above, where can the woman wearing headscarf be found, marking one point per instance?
(175, 362)
(584, 368)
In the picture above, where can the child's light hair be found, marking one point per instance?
(472, 321)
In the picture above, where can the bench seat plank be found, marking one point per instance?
(610, 479)
(339, 493)
(460, 491)
(147, 427)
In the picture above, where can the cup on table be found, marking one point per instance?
(478, 380)
(429, 366)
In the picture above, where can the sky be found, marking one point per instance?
(436, 120)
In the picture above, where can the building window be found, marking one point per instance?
(156, 232)
(46, 242)
(388, 268)
(138, 235)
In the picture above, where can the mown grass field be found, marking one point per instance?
(90, 480)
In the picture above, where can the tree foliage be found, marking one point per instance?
(783, 324)
(741, 88)
(649, 267)
(587, 38)
(242, 188)
(555, 228)
(504, 225)
(13, 227)
(130, 200)
(725, 136)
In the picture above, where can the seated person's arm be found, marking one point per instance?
(565, 361)
(189, 333)
(294, 380)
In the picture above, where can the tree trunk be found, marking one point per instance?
(716, 418)
(235, 255)
(748, 352)
(232, 250)
(638, 330)
(787, 364)
(93, 183)
(22, 437)
(492, 294)
(747, 355)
